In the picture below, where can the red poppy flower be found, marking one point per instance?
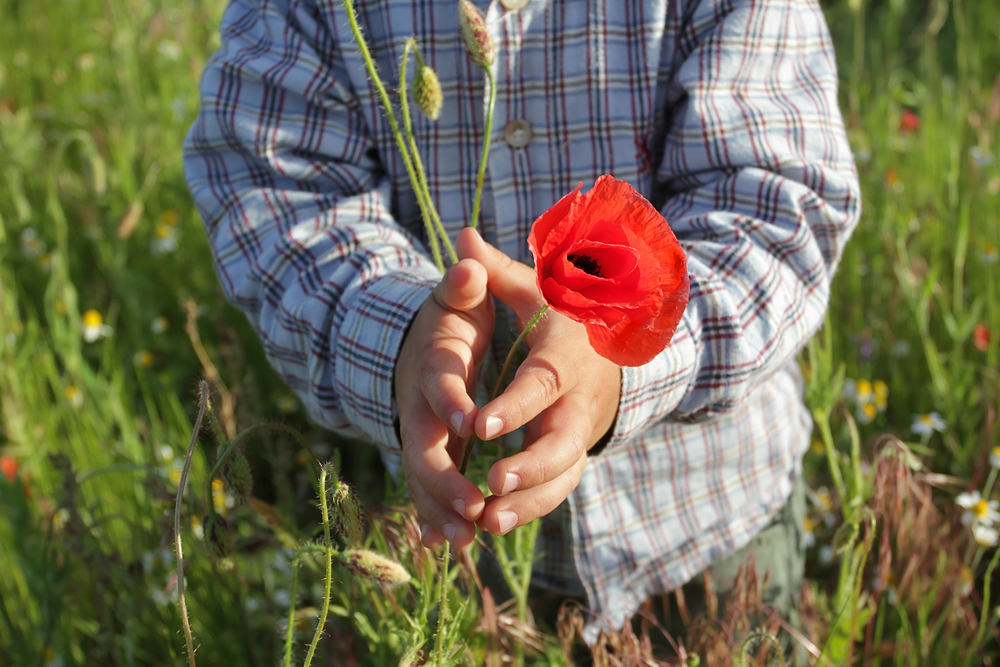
(981, 337)
(8, 466)
(908, 122)
(609, 260)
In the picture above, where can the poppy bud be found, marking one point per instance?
(237, 477)
(217, 537)
(478, 42)
(345, 513)
(374, 566)
(427, 92)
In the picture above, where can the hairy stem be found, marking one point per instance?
(329, 566)
(203, 392)
(486, 150)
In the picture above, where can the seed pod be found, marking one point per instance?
(217, 537)
(374, 567)
(427, 92)
(345, 513)
(478, 42)
(237, 477)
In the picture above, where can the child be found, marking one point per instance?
(723, 113)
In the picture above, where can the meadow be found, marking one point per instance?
(111, 315)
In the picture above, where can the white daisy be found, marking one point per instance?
(94, 327)
(925, 425)
(985, 536)
(978, 510)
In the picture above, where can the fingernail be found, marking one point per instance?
(493, 427)
(423, 531)
(507, 520)
(510, 483)
(457, 418)
(459, 506)
(449, 531)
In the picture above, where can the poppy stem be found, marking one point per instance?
(535, 319)
(488, 130)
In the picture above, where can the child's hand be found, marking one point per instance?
(566, 393)
(435, 375)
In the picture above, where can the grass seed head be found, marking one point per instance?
(478, 42)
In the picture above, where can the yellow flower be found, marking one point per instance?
(965, 582)
(988, 253)
(86, 62)
(175, 471)
(72, 394)
(995, 457)
(865, 391)
(170, 217)
(219, 500)
(866, 412)
(881, 395)
(94, 327)
(143, 358)
(197, 529)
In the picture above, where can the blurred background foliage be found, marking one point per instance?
(110, 312)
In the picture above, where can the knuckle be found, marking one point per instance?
(549, 380)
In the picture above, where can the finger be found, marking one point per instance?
(463, 287)
(438, 524)
(446, 371)
(508, 512)
(565, 429)
(513, 283)
(428, 462)
(540, 380)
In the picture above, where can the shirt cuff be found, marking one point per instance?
(366, 351)
(651, 392)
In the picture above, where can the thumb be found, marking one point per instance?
(463, 287)
(512, 282)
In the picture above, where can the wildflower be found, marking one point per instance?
(981, 337)
(850, 390)
(169, 49)
(219, 495)
(995, 457)
(143, 358)
(881, 395)
(908, 122)
(978, 510)
(20, 58)
(32, 246)
(900, 349)
(164, 239)
(863, 155)
(175, 471)
(808, 536)
(892, 180)
(94, 327)
(886, 581)
(166, 453)
(825, 505)
(925, 425)
(197, 528)
(979, 158)
(374, 566)
(287, 405)
(73, 394)
(985, 536)
(865, 391)
(86, 62)
(8, 467)
(624, 278)
(965, 582)
(45, 262)
(866, 413)
(825, 555)
(51, 659)
(817, 447)
(427, 92)
(988, 253)
(159, 324)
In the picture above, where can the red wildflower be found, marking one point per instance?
(609, 260)
(8, 466)
(908, 122)
(981, 337)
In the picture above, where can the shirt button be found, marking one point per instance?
(517, 133)
(513, 4)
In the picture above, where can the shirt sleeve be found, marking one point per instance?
(761, 191)
(296, 207)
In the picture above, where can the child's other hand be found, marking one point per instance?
(434, 380)
(565, 392)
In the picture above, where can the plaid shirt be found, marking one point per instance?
(722, 112)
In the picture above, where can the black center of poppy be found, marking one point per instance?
(586, 264)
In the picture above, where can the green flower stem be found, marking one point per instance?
(309, 548)
(329, 564)
(188, 638)
(823, 423)
(486, 150)
(987, 582)
(421, 188)
(391, 117)
(442, 607)
(503, 373)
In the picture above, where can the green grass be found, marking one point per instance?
(95, 99)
